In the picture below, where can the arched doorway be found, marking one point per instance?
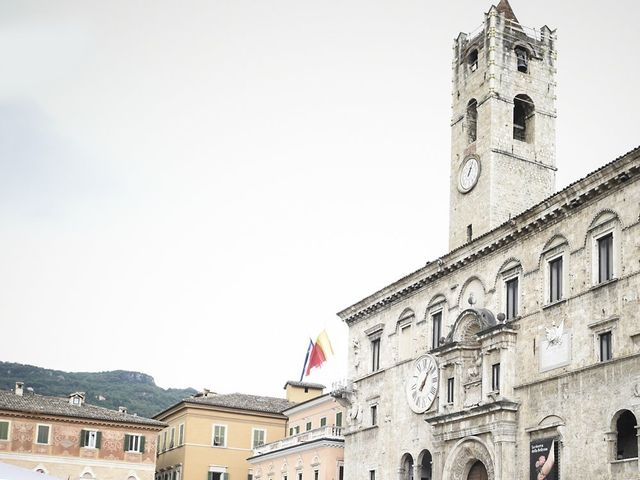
(478, 472)
(407, 467)
(425, 461)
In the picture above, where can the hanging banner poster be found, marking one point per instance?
(543, 460)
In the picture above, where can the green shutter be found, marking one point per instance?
(210, 476)
(225, 476)
(82, 438)
(98, 439)
(142, 444)
(4, 430)
(126, 442)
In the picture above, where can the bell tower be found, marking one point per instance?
(503, 123)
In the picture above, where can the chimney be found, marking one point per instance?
(19, 388)
(122, 409)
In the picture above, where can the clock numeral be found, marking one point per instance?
(434, 388)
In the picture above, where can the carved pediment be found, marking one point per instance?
(469, 323)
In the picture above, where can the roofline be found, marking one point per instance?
(569, 198)
(79, 419)
(318, 399)
(315, 386)
(185, 403)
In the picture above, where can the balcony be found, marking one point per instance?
(330, 433)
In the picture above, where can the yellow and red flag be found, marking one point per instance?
(317, 353)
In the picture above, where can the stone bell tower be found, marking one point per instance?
(503, 123)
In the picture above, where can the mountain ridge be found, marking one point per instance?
(136, 391)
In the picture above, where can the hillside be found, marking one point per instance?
(136, 391)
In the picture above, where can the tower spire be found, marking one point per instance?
(505, 8)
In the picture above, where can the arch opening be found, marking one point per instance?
(426, 461)
(626, 436)
(472, 120)
(522, 59)
(407, 467)
(478, 472)
(472, 60)
(523, 118)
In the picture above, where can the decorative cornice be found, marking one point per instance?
(500, 405)
(549, 211)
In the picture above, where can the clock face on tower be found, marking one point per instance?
(469, 174)
(422, 383)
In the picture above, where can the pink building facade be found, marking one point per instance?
(313, 448)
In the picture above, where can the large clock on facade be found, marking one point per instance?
(469, 174)
(422, 383)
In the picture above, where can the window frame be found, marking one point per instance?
(375, 334)
(607, 334)
(437, 313)
(323, 422)
(37, 437)
(213, 435)
(338, 423)
(609, 262)
(451, 385)
(606, 223)
(254, 431)
(375, 354)
(495, 377)
(373, 414)
(8, 423)
(181, 434)
(135, 440)
(513, 312)
(557, 276)
(89, 441)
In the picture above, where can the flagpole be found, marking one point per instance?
(306, 359)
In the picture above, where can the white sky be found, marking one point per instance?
(192, 189)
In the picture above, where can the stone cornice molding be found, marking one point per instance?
(466, 414)
(555, 208)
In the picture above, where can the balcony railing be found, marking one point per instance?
(333, 432)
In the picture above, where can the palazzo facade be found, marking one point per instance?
(517, 354)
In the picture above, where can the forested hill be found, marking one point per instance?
(136, 391)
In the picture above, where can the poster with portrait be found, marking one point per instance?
(543, 461)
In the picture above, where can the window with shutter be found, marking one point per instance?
(339, 419)
(4, 430)
(43, 434)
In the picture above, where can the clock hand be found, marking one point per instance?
(423, 382)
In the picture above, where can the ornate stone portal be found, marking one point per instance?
(464, 455)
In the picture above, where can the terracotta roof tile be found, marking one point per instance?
(44, 405)
(243, 401)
